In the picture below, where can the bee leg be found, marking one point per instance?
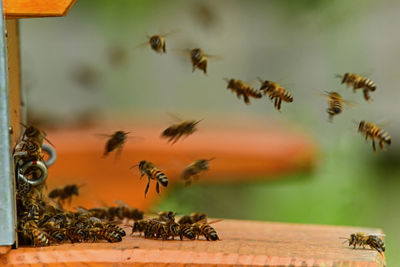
(188, 182)
(193, 68)
(163, 48)
(246, 99)
(158, 188)
(381, 145)
(279, 104)
(118, 153)
(373, 145)
(147, 187)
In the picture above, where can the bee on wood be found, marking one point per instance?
(193, 218)
(193, 170)
(370, 130)
(115, 141)
(275, 93)
(65, 193)
(242, 89)
(335, 104)
(185, 230)
(362, 239)
(32, 209)
(153, 173)
(358, 82)
(206, 230)
(99, 233)
(166, 216)
(32, 231)
(140, 226)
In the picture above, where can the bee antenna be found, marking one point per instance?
(198, 121)
(134, 166)
(82, 185)
(211, 158)
(48, 141)
(261, 80)
(337, 75)
(226, 79)
(354, 121)
(26, 126)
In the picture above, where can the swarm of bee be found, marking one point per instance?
(40, 221)
(165, 227)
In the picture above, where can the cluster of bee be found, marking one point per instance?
(42, 219)
(164, 226)
(363, 239)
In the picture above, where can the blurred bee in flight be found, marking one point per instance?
(242, 89)
(176, 131)
(153, 173)
(362, 239)
(157, 42)
(193, 170)
(335, 104)
(199, 59)
(370, 130)
(65, 193)
(115, 141)
(358, 82)
(275, 92)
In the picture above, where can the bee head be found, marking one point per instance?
(120, 135)
(361, 126)
(373, 88)
(352, 239)
(195, 53)
(155, 41)
(337, 110)
(141, 164)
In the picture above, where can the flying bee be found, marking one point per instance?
(153, 173)
(358, 82)
(115, 141)
(199, 59)
(193, 218)
(157, 42)
(176, 131)
(206, 230)
(242, 89)
(65, 193)
(362, 239)
(275, 93)
(193, 170)
(335, 103)
(370, 130)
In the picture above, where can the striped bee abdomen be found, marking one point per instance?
(160, 176)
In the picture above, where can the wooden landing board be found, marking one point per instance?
(243, 243)
(240, 155)
(36, 8)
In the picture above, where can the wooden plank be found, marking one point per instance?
(14, 78)
(243, 243)
(240, 155)
(4, 249)
(36, 8)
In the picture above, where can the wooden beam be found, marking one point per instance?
(14, 78)
(36, 8)
(243, 243)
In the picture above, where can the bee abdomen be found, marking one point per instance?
(39, 238)
(384, 136)
(368, 84)
(253, 92)
(287, 97)
(160, 176)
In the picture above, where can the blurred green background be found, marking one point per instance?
(87, 65)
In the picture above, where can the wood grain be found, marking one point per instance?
(241, 156)
(243, 243)
(14, 78)
(36, 8)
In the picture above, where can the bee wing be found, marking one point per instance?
(215, 221)
(102, 135)
(121, 203)
(171, 32)
(175, 117)
(350, 104)
(214, 57)
(141, 45)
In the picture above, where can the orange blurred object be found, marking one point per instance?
(239, 154)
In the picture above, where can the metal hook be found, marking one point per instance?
(33, 164)
(52, 154)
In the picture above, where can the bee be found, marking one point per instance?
(32, 132)
(206, 230)
(58, 234)
(358, 82)
(115, 141)
(38, 237)
(193, 170)
(153, 173)
(199, 59)
(166, 216)
(362, 239)
(115, 228)
(185, 230)
(370, 130)
(336, 104)
(242, 89)
(99, 233)
(176, 131)
(157, 42)
(140, 226)
(193, 218)
(32, 210)
(275, 92)
(65, 193)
